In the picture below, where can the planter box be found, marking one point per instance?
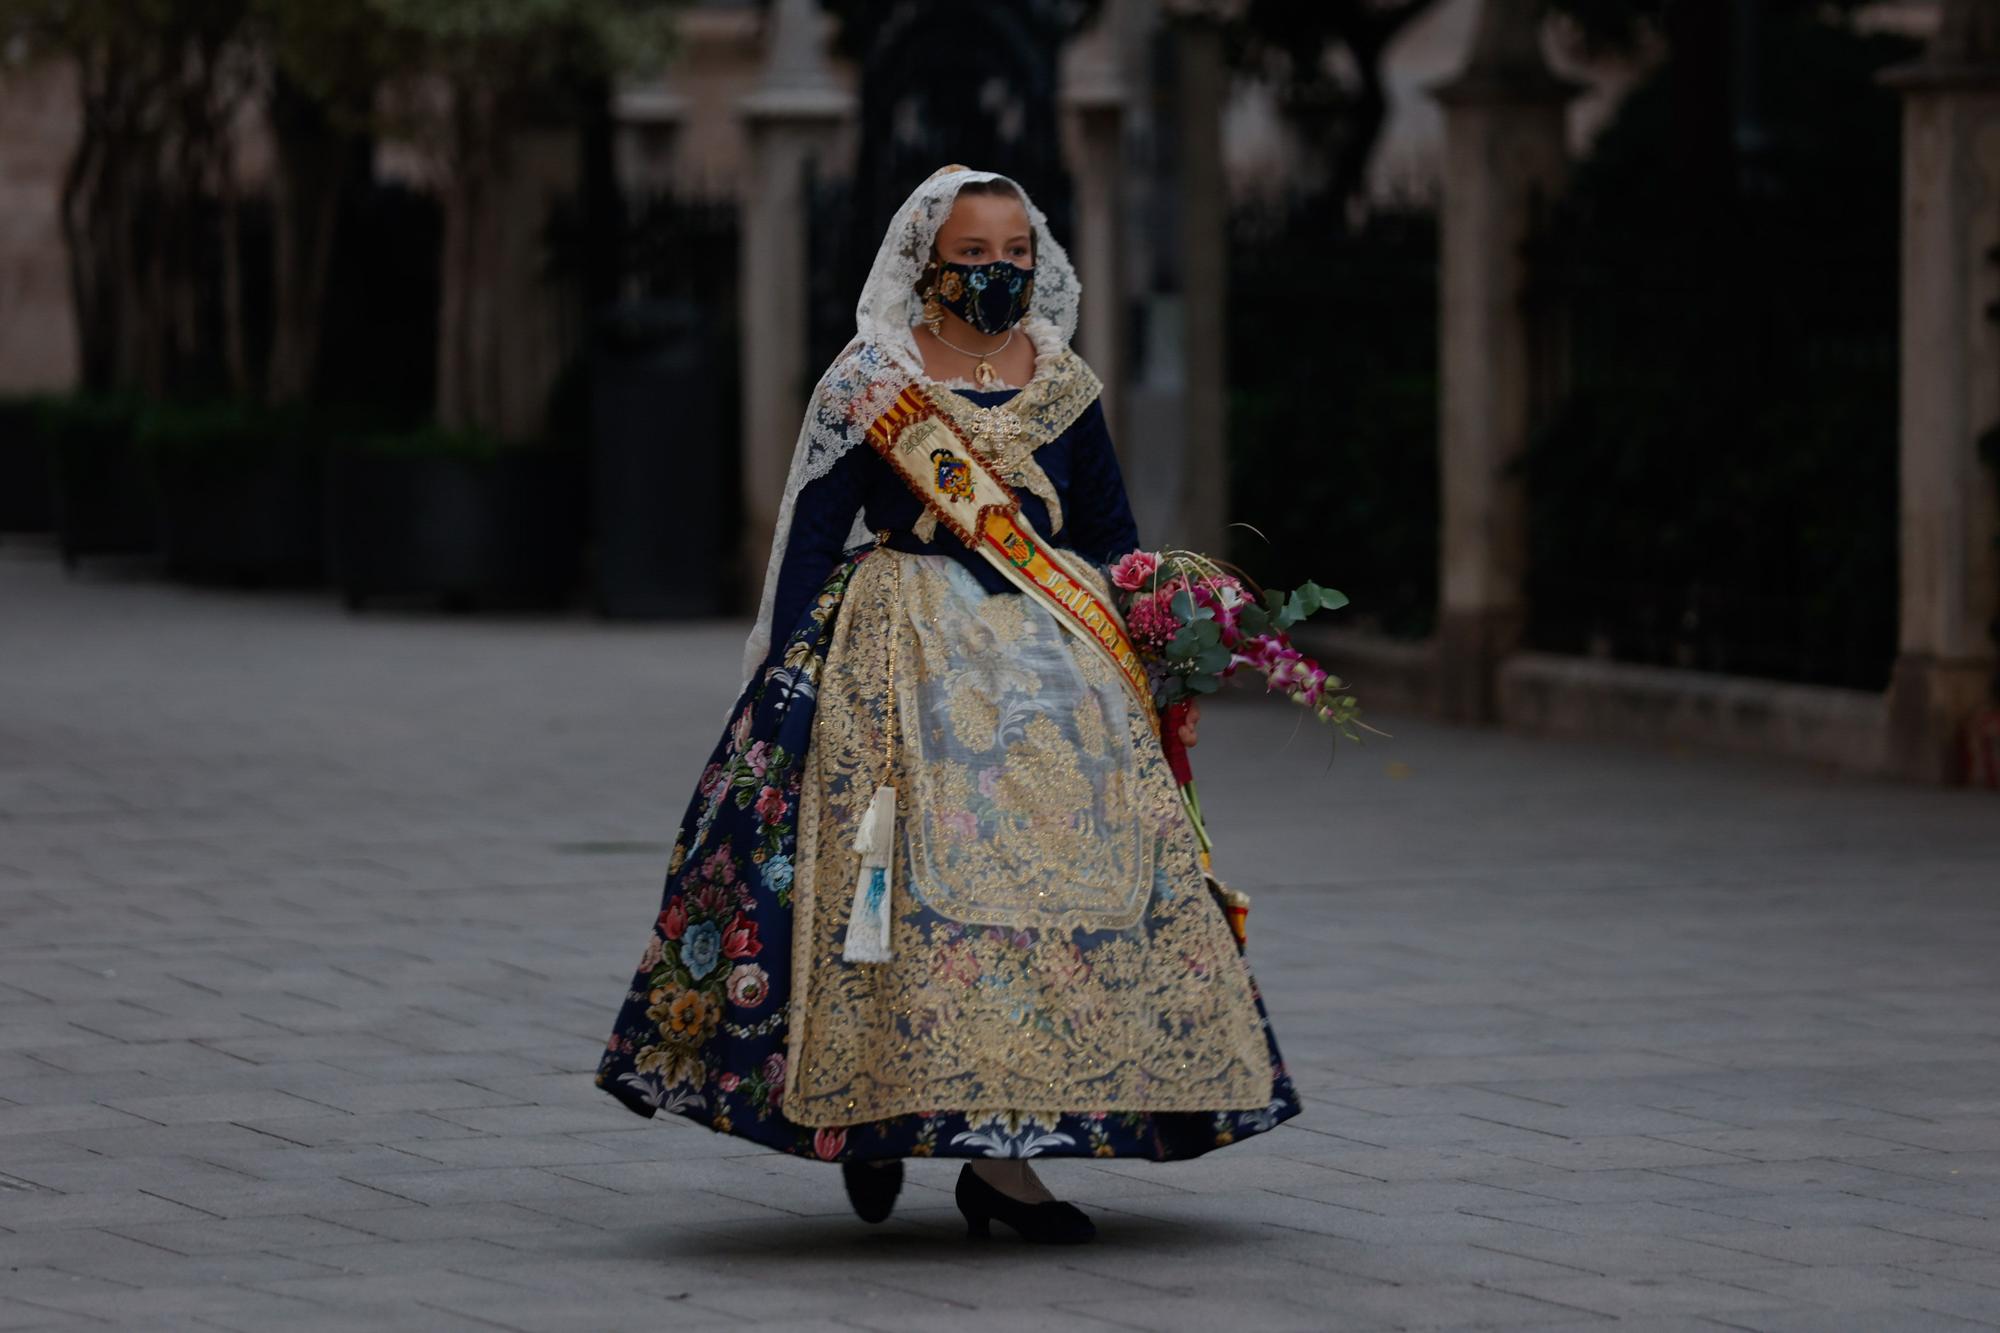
(464, 531)
(1982, 749)
(104, 499)
(255, 521)
(657, 431)
(26, 486)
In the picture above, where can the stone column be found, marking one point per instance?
(1094, 97)
(649, 118)
(1506, 158)
(1950, 391)
(1201, 81)
(792, 120)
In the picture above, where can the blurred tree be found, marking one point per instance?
(150, 200)
(326, 61)
(159, 82)
(469, 76)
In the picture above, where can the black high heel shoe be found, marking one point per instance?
(1050, 1222)
(872, 1187)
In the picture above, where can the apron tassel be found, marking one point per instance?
(868, 918)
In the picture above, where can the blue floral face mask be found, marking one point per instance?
(990, 297)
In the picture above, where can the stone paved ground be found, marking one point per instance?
(310, 928)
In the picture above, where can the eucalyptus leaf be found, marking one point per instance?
(1212, 661)
(1322, 599)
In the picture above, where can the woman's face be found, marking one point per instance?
(986, 227)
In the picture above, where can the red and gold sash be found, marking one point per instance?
(956, 485)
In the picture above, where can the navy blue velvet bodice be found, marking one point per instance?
(1080, 463)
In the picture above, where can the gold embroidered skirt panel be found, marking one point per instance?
(1055, 946)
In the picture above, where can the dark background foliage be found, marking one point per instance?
(1719, 488)
(1333, 407)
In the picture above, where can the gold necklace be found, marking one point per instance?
(983, 374)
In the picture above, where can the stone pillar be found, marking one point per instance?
(649, 118)
(1201, 81)
(792, 120)
(1094, 97)
(1950, 391)
(1506, 158)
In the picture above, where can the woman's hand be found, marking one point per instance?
(1189, 723)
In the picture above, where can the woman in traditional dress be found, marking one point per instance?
(936, 894)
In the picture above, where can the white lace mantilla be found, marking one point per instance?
(882, 359)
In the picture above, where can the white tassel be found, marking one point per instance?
(868, 918)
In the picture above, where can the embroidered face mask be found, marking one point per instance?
(990, 297)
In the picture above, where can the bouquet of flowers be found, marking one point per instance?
(1195, 624)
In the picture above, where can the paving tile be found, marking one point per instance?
(246, 1105)
(1790, 1142)
(1817, 1319)
(1605, 1185)
(1842, 1245)
(1628, 1255)
(1824, 1208)
(1261, 1312)
(1621, 1151)
(445, 1221)
(1622, 1298)
(43, 1211)
(226, 1236)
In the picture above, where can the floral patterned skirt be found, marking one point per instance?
(703, 1030)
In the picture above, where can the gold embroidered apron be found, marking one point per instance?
(1055, 945)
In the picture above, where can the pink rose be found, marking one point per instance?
(759, 757)
(771, 805)
(963, 823)
(774, 1073)
(727, 1082)
(1134, 570)
(827, 1143)
(749, 986)
(989, 782)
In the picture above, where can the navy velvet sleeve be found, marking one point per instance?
(1097, 514)
(821, 519)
